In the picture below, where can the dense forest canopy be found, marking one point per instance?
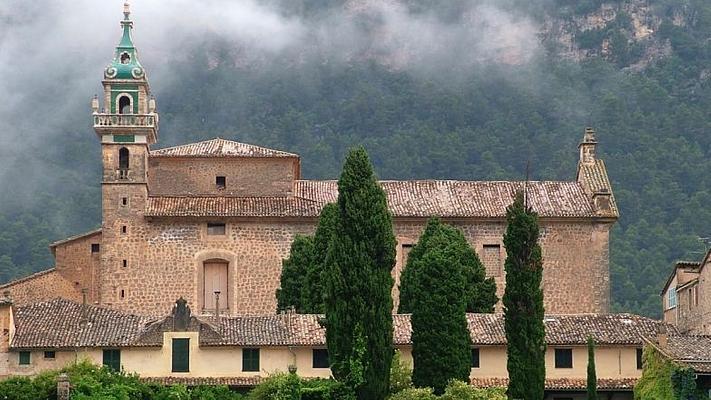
(461, 90)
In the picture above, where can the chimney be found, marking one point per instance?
(587, 147)
(662, 338)
(83, 319)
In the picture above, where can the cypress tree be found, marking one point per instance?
(293, 271)
(480, 291)
(441, 346)
(592, 375)
(358, 282)
(313, 288)
(523, 303)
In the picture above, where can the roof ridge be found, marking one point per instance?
(28, 277)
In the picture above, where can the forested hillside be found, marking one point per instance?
(637, 71)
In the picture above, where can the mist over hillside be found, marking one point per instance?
(466, 90)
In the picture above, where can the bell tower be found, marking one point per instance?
(126, 125)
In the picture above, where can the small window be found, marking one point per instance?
(320, 358)
(123, 158)
(24, 358)
(112, 359)
(123, 294)
(671, 297)
(124, 263)
(181, 355)
(220, 182)
(124, 229)
(95, 247)
(124, 105)
(491, 258)
(406, 249)
(124, 201)
(564, 358)
(216, 228)
(49, 355)
(639, 358)
(250, 360)
(475, 358)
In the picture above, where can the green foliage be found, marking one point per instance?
(523, 303)
(665, 379)
(325, 389)
(22, 388)
(481, 291)
(456, 390)
(359, 282)
(282, 386)
(313, 289)
(400, 374)
(441, 346)
(592, 374)
(293, 274)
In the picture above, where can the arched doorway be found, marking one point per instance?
(215, 275)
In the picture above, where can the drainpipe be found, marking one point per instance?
(289, 314)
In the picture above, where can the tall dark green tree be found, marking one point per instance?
(312, 294)
(592, 375)
(358, 282)
(480, 292)
(523, 303)
(293, 272)
(441, 346)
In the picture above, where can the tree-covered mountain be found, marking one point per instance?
(638, 71)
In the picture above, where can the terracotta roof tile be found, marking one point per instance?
(440, 198)
(692, 350)
(596, 180)
(62, 323)
(563, 383)
(219, 148)
(57, 323)
(75, 237)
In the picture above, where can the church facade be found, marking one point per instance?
(212, 221)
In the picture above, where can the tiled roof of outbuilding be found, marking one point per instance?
(219, 148)
(57, 324)
(426, 198)
(692, 350)
(563, 383)
(62, 323)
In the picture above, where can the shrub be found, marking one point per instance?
(400, 374)
(21, 388)
(278, 387)
(414, 394)
(325, 389)
(458, 390)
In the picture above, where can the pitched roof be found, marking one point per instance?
(562, 383)
(58, 324)
(595, 179)
(219, 148)
(419, 198)
(694, 351)
(62, 323)
(28, 277)
(75, 237)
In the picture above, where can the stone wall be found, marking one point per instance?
(165, 259)
(77, 263)
(259, 177)
(42, 286)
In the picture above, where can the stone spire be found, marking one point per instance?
(587, 147)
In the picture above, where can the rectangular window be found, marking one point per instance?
(124, 201)
(124, 263)
(250, 360)
(112, 359)
(220, 182)
(491, 258)
(475, 358)
(24, 358)
(50, 355)
(671, 297)
(406, 249)
(216, 228)
(124, 229)
(564, 358)
(95, 247)
(639, 358)
(320, 358)
(181, 355)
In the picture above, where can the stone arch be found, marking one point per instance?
(124, 104)
(124, 156)
(209, 258)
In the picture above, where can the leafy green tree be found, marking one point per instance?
(293, 272)
(313, 288)
(359, 282)
(523, 303)
(480, 293)
(592, 375)
(441, 346)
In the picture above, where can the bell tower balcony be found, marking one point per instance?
(127, 124)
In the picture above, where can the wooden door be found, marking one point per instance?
(215, 279)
